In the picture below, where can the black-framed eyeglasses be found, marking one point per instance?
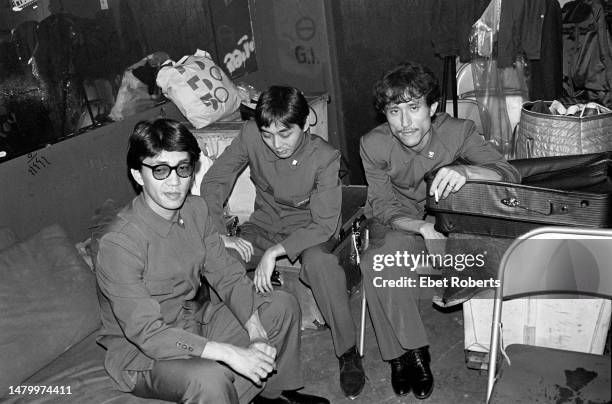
(162, 171)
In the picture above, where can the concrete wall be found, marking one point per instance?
(66, 182)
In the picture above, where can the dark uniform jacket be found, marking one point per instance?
(298, 197)
(396, 173)
(148, 271)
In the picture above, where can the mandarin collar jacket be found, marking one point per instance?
(148, 271)
(298, 197)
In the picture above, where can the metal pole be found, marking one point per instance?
(363, 299)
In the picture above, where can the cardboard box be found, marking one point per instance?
(571, 324)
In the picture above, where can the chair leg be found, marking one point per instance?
(445, 72)
(363, 319)
(363, 295)
(449, 72)
(453, 77)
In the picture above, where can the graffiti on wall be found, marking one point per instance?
(237, 59)
(37, 163)
(234, 36)
(305, 30)
(300, 38)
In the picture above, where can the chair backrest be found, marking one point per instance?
(558, 260)
(551, 260)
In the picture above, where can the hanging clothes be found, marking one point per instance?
(533, 28)
(451, 22)
(520, 30)
(546, 72)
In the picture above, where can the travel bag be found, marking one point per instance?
(541, 135)
(563, 190)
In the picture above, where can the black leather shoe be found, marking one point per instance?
(400, 376)
(352, 376)
(421, 377)
(291, 397)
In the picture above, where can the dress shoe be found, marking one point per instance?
(421, 377)
(291, 397)
(352, 375)
(400, 376)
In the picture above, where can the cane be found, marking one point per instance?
(363, 296)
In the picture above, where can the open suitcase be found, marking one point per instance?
(566, 190)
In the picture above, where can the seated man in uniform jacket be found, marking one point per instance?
(164, 338)
(297, 211)
(396, 155)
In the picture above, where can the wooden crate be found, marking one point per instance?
(570, 324)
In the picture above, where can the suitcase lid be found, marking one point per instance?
(554, 190)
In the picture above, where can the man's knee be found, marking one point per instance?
(397, 240)
(318, 262)
(283, 306)
(210, 382)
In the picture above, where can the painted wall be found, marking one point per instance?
(371, 38)
(66, 182)
(294, 47)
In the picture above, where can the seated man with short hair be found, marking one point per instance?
(164, 338)
(297, 211)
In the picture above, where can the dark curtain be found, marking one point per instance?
(165, 26)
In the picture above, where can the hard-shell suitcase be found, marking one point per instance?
(566, 190)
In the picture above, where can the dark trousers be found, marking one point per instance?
(394, 310)
(198, 380)
(321, 271)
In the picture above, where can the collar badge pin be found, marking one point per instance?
(431, 154)
(294, 162)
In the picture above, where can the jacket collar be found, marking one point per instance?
(157, 223)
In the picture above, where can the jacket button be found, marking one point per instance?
(190, 349)
(184, 346)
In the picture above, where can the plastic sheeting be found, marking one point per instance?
(493, 85)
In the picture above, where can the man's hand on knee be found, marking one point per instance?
(256, 362)
(263, 273)
(242, 246)
(265, 348)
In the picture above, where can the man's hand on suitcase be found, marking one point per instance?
(448, 179)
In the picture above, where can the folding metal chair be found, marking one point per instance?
(551, 260)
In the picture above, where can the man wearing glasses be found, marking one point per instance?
(164, 338)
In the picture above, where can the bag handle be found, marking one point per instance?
(554, 208)
(182, 60)
(520, 137)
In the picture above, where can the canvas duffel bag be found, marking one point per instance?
(199, 88)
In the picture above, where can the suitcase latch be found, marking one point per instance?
(554, 208)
